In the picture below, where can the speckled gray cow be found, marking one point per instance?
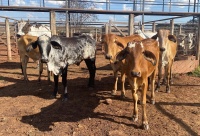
(60, 52)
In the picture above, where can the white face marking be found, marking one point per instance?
(131, 45)
(141, 44)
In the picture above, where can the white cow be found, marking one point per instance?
(186, 43)
(146, 34)
(32, 29)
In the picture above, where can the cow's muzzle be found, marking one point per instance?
(162, 49)
(135, 74)
(18, 36)
(108, 57)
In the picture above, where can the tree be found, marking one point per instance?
(78, 19)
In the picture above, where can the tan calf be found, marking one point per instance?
(141, 62)
(23, 43)
(112, 45)
(168, 47)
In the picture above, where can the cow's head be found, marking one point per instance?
(110, 46)
(190, 40)
(163, 37)
(135, 54)
(43, 42)
(181, 40)
(22, 27)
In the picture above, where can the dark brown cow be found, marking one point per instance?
(168, 47)
(141, 61)
(112, 45)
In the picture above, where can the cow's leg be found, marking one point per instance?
(165, 75)
(152, 80)
(40, 70)
(92, 70)
(24, 66)
(134, 89)
(64, 82)
(123, 77)
(159, 76)
(145, 124)
(115, 84)
(170, 78)
(168, 75)
(55, 85)
(48, 74)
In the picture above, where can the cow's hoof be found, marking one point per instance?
(26, 80)
(53, 97)
(156, 90)
(123, 96)
(113, 92)
(153, 102)
(167, 90)
(65, 99)
(91, 88)
(135, 118)
(145, 126)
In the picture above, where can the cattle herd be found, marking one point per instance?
(138, 58)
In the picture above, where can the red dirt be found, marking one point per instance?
(28, 109)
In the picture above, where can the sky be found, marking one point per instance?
(121, 5)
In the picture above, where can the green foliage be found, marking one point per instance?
(196, 72)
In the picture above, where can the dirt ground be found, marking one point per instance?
(27, 108)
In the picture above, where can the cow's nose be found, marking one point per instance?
(18, 35)
(44, 60)
(108, 56)
(135, 74)
(162, 49)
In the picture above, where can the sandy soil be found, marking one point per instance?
(27, 108)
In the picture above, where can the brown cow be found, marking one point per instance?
(168, 47)
(112, 45)
(141, 61)
(23, 43)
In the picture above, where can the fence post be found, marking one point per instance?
(106, 28)
(96, 34)
(180, 29)
(110, 27)
(154, 27)
(8, 39)
(131, 24)
(53, 22)
(198, 39)
(67, 19)
(172, 26)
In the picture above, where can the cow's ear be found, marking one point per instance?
(119, 42)
(56, 45)
(172, 38)
(32, 46)
(150, 57)
(154, 37)
(121, 55)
